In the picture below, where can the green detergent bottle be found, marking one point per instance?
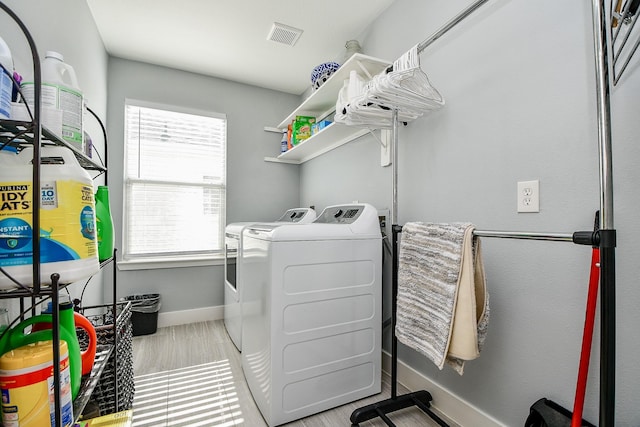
(104, 224)
(4, 330)
(18, 338)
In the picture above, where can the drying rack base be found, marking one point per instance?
(421, 399)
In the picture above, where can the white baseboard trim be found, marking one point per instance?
(453, 407)
(182, 317)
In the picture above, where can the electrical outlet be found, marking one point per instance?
(529, 196)
(383, 217)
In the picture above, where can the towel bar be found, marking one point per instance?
(562, 237)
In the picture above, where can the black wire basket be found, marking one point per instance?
(104, 393)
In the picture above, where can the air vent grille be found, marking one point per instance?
(284, 34)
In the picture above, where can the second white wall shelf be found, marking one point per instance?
(320, 104)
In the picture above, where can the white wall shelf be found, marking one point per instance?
(333, 136)
(320, 104)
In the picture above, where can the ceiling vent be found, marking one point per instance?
(284, 34)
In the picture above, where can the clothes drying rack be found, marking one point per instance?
(604, 238)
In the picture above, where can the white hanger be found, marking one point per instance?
(406, 89)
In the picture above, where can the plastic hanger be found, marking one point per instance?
(406, 89)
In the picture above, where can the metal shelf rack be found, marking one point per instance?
(20, 134)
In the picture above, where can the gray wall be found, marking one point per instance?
(78, 40)
(519, 83)
(256, 190)
(518, 78)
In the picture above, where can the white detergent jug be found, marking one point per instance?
(60, 92)
(68, 244)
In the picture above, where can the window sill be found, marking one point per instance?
(169, 262)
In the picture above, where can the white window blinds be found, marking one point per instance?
(175, 182)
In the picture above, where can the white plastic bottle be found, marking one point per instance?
(6, 82)
(60, 91)
(283, 142)
(68, 243)
(8, 156)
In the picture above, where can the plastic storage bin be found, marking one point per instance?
(144, 313)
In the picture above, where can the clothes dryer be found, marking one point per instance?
(232, 269)
(311, 309)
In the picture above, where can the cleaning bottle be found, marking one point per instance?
(283, 142)
(104, 224)
(4, 326)
(8, 156)
(18, 338)
(26, 375)
(88, 355)
(60, 91)
(6, 81)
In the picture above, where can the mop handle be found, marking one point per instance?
(583, 370)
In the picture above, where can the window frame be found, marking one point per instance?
(171, 260)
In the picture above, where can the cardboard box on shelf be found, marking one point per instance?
(317, 127)
(301, 129)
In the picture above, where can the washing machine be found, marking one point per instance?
(311, 312)
(233, 273)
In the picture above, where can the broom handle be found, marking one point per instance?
(583, 370)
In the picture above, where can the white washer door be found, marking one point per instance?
(232, 311)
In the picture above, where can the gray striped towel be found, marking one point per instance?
(443, 305)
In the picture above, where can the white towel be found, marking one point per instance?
(443, 305)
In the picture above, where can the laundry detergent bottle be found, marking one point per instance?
(60, 91)
(8, 156)
(18, 337)
(67, 219)
(104, 224)
(89, 354)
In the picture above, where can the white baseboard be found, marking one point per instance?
(454, 408)
(182, 317)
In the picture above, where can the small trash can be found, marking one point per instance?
(144, 313)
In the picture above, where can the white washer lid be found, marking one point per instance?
(291, 216)
(365, 225)
(235, 228)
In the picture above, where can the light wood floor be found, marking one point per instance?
(191, 375)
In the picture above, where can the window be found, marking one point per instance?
(175, 180)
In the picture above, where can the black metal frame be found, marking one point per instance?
(35, 127)
(421, 398)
